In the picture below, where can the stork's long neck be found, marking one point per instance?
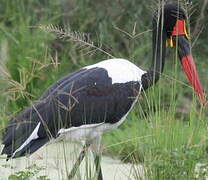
(158, 59)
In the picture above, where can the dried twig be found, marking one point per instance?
(132, 35)
(82, 40)
(200, 19)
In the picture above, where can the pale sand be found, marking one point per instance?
(51, 158)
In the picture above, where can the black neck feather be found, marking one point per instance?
(158, 59)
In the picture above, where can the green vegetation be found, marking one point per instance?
(166, 131)
(31, 172)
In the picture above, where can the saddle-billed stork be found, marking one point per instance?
(90, 101)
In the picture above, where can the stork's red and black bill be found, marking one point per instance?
(192, 75)
(187, 62)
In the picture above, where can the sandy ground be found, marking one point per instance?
(56, 159)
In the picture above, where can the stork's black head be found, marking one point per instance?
(172, 20)
(172, 13)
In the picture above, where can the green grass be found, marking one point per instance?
(166, 132)
(31, 172)
(167, 129)
(168, 147)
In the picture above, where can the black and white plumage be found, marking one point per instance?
(80, 106)
(86, 103)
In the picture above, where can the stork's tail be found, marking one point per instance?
(28, 149)
(21, 139)
(26, 133)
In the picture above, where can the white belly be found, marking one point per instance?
(90, 131)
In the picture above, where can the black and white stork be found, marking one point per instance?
(90, 101)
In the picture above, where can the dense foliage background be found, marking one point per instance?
(31, 60)
(106, 22)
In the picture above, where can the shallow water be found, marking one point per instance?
(56, 159)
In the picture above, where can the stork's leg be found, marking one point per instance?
(78, 161)
(97, 160)
(97, 157)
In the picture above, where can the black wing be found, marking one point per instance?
(86, 96)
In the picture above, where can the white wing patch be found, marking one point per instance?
(120, 70)
(33, 136)
(81, 133)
